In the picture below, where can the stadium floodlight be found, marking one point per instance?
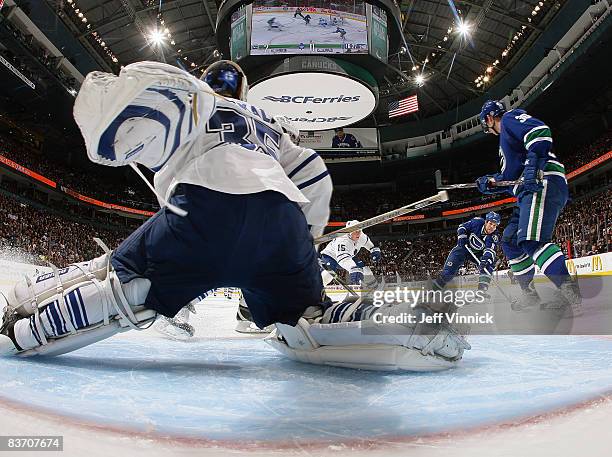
(156, 37)
(464, 28)
(419, 79)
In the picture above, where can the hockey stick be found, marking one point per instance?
(343, 283)
(493, 279)
(441, 196)
(471, 185)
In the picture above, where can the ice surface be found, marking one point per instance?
(224, 386)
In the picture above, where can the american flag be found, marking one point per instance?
(404, 106)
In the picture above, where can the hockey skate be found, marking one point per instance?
(174, 328)
(245, 322)
(529, 299)
(178, 326)
(569, 300)
(484, 293)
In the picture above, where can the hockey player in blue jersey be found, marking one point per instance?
(525, 150)
(479, 236)
(344, 140)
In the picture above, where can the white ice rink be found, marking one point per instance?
(141, 393)
(294, 31)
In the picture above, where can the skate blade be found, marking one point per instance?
(250, 328)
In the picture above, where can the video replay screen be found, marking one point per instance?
(309, 27)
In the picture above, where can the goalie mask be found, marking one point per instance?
(227, 78)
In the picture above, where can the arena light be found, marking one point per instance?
(156, 37)
(419, 79)
(463, 28)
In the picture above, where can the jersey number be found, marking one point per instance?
(522, 117)
(234, 127)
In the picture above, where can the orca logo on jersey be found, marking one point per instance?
(310, 99)
(476, 242)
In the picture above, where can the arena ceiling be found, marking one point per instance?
(456, 49)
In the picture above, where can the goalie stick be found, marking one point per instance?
(471, 185)
(441, 196)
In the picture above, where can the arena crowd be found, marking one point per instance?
(48, 230)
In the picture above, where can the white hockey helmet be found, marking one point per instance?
(351, 223)
(227, 78)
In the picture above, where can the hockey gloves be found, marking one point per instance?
(375, 254)
(531, 174)
(484, 184)
(356, 275)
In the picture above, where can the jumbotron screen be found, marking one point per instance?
(309, 27)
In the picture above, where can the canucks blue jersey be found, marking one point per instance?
(349, 141)
(478, 240)
(522, 138)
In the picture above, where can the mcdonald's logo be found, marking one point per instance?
(597, 263)
(571, 267)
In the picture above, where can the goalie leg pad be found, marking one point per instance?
(297, 343)
(363, 344)
(74, 304)
(27, 294)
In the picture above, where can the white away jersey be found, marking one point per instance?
(343, 249)
(173, 123)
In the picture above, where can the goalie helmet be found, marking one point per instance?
(227, 78)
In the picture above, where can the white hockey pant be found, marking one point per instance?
(76, 306)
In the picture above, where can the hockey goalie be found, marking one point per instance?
(240, 203)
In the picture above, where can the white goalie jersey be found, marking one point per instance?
(171, 122)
